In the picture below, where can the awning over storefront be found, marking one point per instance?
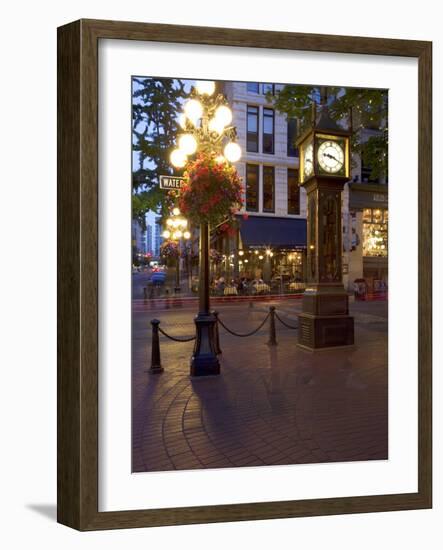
(263, 231)
(367, 196)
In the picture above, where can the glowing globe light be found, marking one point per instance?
(216, 126)
(193, 110)
(188, 144)
(183, 222)
(166, 234)
(176, 211)
(232, 152)
(205, 87)
(240, 252)
(187, 235)
(178, 234)
(178, 158)
(223, 115)
(260, 257)
(169, 222)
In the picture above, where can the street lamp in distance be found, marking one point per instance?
(176, 231)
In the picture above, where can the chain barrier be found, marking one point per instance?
(156, 330)
(174, 339)
(286, 324)
(156, 366)
(246, 334)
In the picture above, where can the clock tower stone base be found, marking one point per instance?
(325, 321)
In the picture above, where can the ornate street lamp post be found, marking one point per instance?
(176, 231)
(206, 124)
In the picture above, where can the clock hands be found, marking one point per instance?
(331, 157)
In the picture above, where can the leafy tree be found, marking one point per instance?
(363, 108)
(156, 104)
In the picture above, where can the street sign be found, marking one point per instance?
(171, 182)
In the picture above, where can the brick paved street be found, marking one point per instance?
(270, 405)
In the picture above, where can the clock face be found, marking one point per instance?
(330, 156)
(308, 162)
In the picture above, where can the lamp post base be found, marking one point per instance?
(204, 361)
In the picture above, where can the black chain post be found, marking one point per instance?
(156, 367)
(218, 350)
(272, 336)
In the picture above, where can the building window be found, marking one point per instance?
(252, 171)
(253, 87)
(267, 89)
(375, 232)
(252, 129)
(292, 135)
(293, 192)
(268, 189)
(268, 131)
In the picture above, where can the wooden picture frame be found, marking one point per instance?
(78, 274)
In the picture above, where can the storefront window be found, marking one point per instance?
(375, 232)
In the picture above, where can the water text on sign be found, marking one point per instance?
(171, 182)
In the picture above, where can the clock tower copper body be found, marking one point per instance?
(324, 169)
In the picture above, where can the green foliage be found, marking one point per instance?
(155, 107)
(368, 109)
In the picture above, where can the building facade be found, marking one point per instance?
(149, 241)
(157, 238)
(271, 238)
(270, 243)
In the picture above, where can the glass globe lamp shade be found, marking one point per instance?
(177, 158)
(216, 126)
(176, 211)
(188, 144)
(169, 222)
(187, 235)
(193, 110)
(166, 234)
(205, 87)
(178, 234)
(232, 152)
(223, 115)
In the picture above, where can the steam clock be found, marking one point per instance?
(324, 169)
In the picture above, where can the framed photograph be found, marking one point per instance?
(244, 275)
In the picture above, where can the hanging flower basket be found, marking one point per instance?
(169, 250)
(212, 192)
